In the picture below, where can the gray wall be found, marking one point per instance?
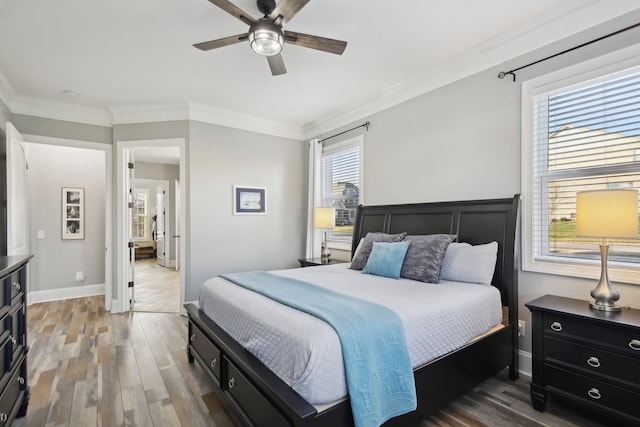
(221, 157)
(462, 141)
(56, 261)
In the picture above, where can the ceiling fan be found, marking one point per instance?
(266, 35)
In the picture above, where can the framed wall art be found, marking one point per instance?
(72, 213)
(249, 200)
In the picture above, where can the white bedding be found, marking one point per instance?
(305, 352)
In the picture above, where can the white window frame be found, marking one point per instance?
(348, 144)
(609, 64)
(146, 236)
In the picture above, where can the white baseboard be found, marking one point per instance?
(526, 362)
(65, 293)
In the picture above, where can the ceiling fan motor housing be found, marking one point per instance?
(266, 6)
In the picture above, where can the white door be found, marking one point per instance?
(177, 216)
(17, 194)
(131, 202)
(160, 224)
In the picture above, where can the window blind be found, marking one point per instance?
(586, 137)
(341, 187)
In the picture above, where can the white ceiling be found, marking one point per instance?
(127, 58)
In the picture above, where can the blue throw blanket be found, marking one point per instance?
(377, 365)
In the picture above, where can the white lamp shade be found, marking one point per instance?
(325, 217)
(607, 214)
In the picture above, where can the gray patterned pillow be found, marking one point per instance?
(425, 257)
(366, 245)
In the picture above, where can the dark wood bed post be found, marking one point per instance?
(514, 367)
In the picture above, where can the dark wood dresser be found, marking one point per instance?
(588, 357)
(14, 392)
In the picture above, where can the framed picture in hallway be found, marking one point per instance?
(249, 200)
(72, 213)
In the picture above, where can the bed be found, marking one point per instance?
(262, 398)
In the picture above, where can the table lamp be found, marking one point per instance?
(325, 218)
(606, 214)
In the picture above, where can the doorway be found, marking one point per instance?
(145, 156)
(55, 163)
(155, 276)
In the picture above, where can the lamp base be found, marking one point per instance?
(605, 296)
(325, 254)
(605, 307)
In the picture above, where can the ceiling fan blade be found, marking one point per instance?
(276, 63)
(315, 42)
(234, 10)
(214, 44)
(287, 9)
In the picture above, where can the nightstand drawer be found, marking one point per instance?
(614, 336)
(593, 360)
(592, 391)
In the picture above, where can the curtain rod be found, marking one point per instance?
(365, 125)
(503, 74)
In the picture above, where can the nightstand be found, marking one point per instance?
(311, 262)
(588, 357)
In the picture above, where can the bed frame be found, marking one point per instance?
(260, 398)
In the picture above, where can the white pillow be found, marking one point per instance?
(466, 263)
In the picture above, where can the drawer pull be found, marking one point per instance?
(12, 339)
(214, 362)
(634, 344)
(193, 337)
(593, 362)
(3, 417)
(17, 285)
(594, 393)
(21, 380)
(556, 326)
(232, 382)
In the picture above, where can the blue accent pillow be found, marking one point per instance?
(386, 259)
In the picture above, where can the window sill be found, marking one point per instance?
(617, 272)
(339, 245)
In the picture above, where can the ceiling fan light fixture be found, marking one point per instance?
(266, 38)
(266, 42)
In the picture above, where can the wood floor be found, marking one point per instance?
(88, 367)
(157, 288)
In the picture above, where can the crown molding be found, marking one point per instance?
(38, 107)
(149, 113)
(217, 116)
(535, 35)
(202, 113)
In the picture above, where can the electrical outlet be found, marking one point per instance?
(521, 328)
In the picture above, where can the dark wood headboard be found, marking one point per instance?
(474, 222)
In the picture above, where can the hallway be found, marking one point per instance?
(157, 288)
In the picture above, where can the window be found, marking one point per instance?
(341, 185)
(140, 221)
(581, 132)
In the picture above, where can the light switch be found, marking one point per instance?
(40, 234)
